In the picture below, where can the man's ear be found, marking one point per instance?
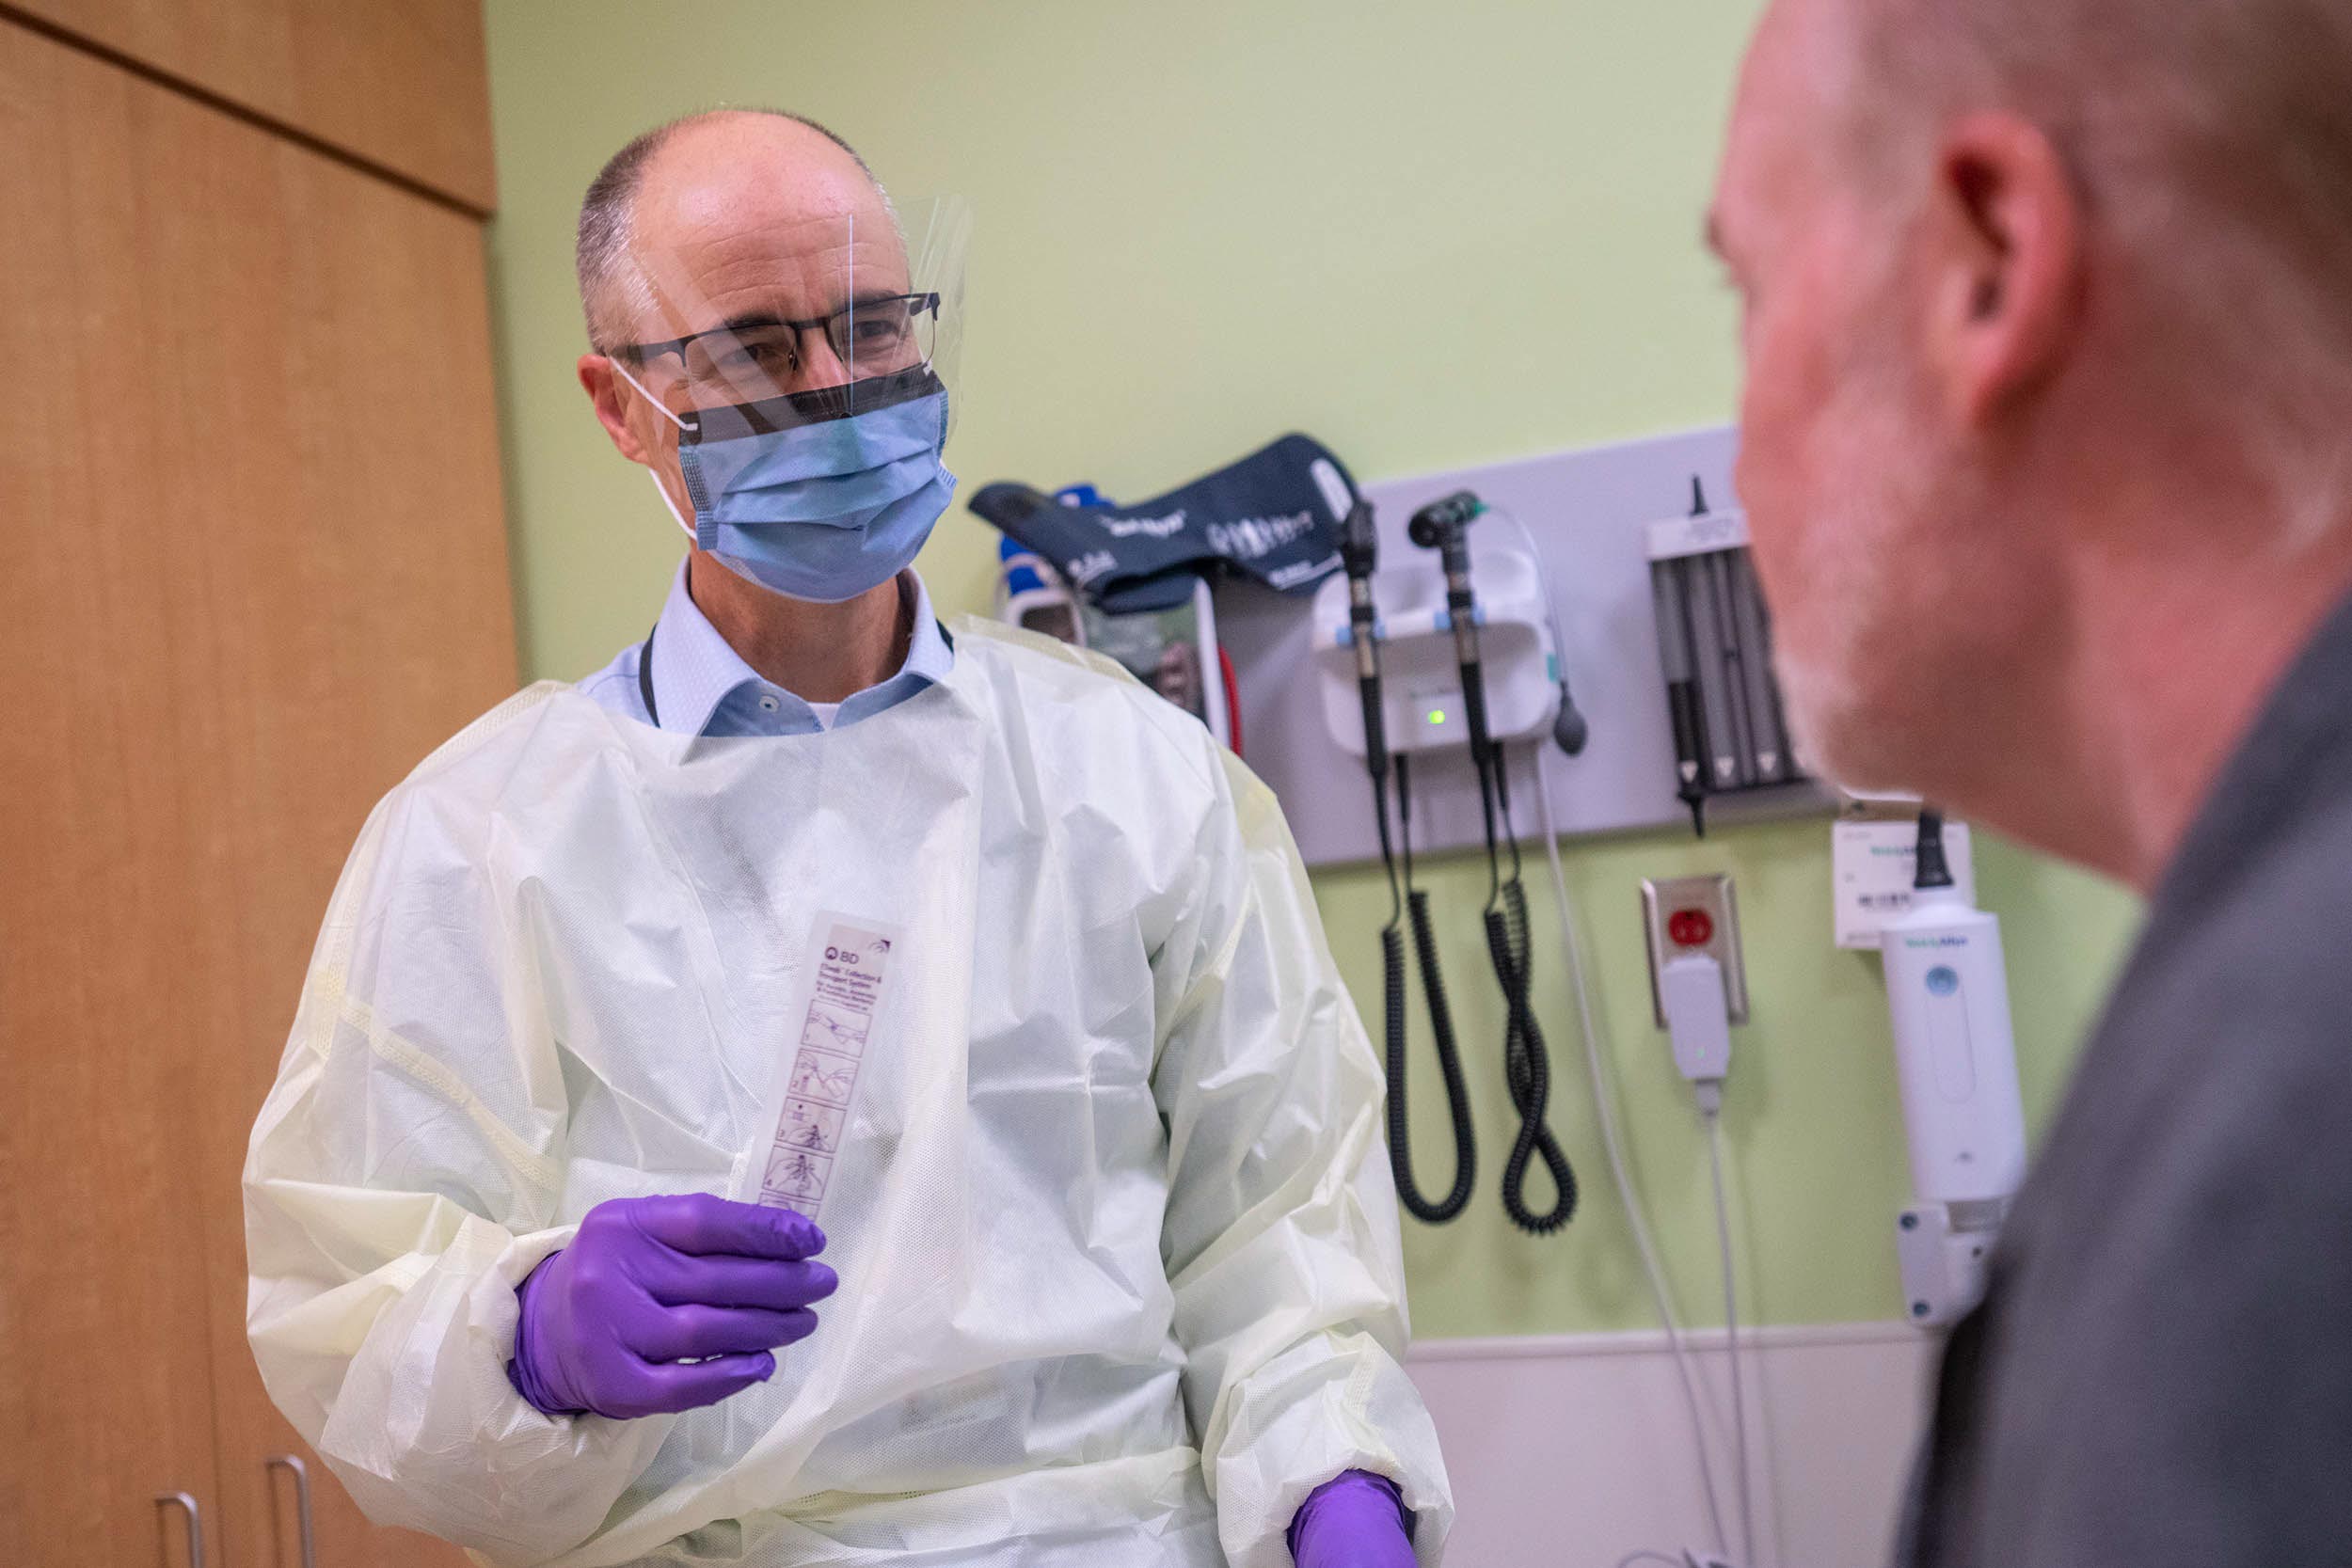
(2005, 264)
(611, 395)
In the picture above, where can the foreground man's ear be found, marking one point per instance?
(2002, 255)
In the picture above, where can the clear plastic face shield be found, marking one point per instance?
(802, 374)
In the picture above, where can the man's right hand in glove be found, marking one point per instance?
(651, 1283)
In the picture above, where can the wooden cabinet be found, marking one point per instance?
(252, 568)
(402, 86)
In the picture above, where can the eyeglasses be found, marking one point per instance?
(757, 358)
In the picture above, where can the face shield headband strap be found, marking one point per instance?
(817, 407)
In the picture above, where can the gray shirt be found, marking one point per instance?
(2162, 1371)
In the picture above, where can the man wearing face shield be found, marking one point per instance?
(827, 1091)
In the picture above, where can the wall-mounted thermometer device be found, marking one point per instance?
(1948, 991)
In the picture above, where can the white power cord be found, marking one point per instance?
(1698, 1022)
(1710, 1102)
(1731, 1331)
(1604, 1106)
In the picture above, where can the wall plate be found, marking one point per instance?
(1872, 865)
(1682, 915)
(1589, 510)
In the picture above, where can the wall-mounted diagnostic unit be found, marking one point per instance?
(1421, 628)
(1569, 573)
(1714, 646)
(1424, 703)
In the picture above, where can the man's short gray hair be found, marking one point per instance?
(612, 289)
(2229, 117)
(2211, 144)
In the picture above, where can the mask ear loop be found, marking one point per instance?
(652, 473)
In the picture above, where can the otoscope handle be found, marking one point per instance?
(1360, 554)
(1439, 527)
(1461, 609)
(1375, 728)
(1475, 711)
(1363, 626)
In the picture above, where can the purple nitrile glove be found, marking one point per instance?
(650, 1283)
(1355, 1521)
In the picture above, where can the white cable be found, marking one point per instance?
(1534, 556)
(1602, 1105)
(1543, 582)
(1731, 1332)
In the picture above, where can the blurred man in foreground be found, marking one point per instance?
(2047, 454)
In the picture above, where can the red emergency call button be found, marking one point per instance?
(1690, 927)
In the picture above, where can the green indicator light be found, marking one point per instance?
(1437, 716)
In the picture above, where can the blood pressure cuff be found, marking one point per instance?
(1274, 516)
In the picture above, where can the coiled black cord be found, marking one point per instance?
(1440, 1025)
(1514, 917)
(1526, 1060)
(1527, 1072)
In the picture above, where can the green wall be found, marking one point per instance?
(1432, 235)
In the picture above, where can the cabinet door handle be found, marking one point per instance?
(196, 1523)
(302, 1502)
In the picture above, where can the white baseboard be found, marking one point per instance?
(1572, 1451)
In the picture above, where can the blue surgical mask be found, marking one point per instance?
(819, 496)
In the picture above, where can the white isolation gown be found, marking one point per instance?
(1120, 1271)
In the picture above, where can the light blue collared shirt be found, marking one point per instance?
(701, 687)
